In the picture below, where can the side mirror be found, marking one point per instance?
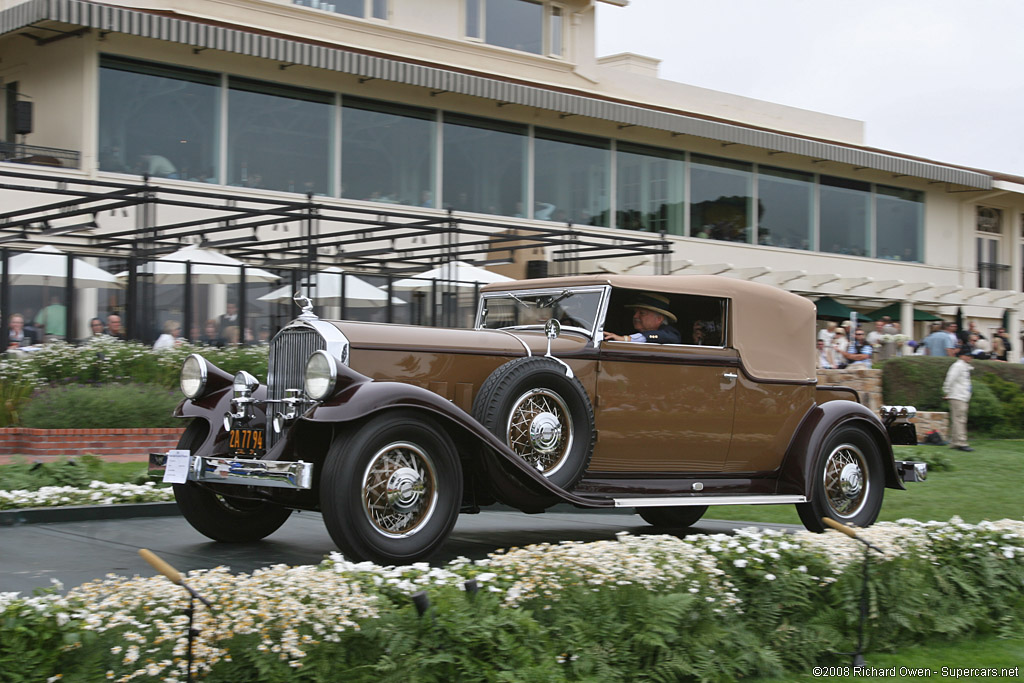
(552, 328)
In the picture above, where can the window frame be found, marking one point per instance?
(549, 11)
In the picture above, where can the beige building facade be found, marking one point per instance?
(495, 111)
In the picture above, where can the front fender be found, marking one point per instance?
(530, 490)
(821, 420)
(212, 408)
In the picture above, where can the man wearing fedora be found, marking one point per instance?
(651, 319)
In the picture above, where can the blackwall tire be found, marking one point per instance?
(673, 517)
(847, 484)
(391, 489)
(228, 520)
(542, 415)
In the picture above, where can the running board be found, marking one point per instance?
(667, 501)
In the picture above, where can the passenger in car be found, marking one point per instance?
(651, 319)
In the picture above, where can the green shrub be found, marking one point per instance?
(986, 412)
(79, 471)
(107, 406)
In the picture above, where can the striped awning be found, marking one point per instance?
(294, 51)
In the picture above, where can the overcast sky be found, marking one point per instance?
(941, 79)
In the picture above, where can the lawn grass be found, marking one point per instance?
(20, 474)
(980, 652)
(985, 484)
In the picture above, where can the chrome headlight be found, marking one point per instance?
(321, 375)
(193, 376)
(244, 384)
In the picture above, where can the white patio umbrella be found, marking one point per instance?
(453, 273)
(358, 292)
(48, 266)
(208, 268)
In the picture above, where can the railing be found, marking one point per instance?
(994, 275)
(39, 156)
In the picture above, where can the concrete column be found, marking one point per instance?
(907, 320)
(1013, 332)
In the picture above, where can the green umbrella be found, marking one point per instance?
(893, 311)
(830, 309)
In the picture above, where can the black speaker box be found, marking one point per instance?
(536, 269)
(22, 118)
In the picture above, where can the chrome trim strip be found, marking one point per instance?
(668, 501)
(267, 473)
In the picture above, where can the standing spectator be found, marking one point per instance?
(859, 351)
(53, 318)
(825, 361)
(171, 336)
(953, 330)
(998, 348)
(957, 390)
(828, 333)
(229, 319)
(980, 348)
(211, 334)
(939, 342)
(1005, 342)
(114, 328)
(839, 344)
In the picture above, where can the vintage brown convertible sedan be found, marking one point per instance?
(391, 430)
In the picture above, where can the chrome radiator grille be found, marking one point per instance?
(286, 367)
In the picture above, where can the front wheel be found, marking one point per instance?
(391, 489)
(224, 519)
(848, 481)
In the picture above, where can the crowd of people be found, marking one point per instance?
(28, 333)
(838, 347)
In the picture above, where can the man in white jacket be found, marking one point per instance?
(957, 390)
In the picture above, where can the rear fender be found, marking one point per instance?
(820, 421)
(509, 477)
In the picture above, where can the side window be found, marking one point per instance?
(700, 320)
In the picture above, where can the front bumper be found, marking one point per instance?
(266, 473)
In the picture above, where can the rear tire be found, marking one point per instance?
(391, 489)
(224, 519)
(673, 517)
(847, 481)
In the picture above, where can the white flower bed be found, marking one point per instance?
(98, 493)
(293, 609)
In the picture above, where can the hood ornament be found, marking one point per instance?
(304, 303)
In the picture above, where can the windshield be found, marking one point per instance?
(578, 309)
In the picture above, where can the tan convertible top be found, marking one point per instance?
(771, 328)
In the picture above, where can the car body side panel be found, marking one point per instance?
(767, 415)
(663, 408)
(820, 421)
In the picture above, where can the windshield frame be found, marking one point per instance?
(593, 335)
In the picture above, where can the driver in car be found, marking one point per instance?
(651, 319)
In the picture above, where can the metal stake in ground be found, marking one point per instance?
(175, 576)
(858, 654)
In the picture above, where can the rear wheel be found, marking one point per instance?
(848, 481)
(222, 518)
(391, 489)
(673, 517)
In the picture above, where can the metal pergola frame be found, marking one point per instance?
(321, 232)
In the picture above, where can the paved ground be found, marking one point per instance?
(76, 552)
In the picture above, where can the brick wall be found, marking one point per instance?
(123, 445)
(868, 384)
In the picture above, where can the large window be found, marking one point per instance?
(378, 9)
(387, 152)
(720, 199)
(785, 208)
(158, 120)
(899, 223)
(524, 25)
(279, 137)
(571, 176)
(484, 165)
(650, 187)
(845, 216)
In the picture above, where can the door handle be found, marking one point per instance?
(730, 375)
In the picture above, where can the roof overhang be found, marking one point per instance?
(290, 50)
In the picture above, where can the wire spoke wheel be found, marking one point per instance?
(845, 480)
(399, 489)
(540, 429)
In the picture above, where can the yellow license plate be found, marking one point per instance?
(246, 442)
